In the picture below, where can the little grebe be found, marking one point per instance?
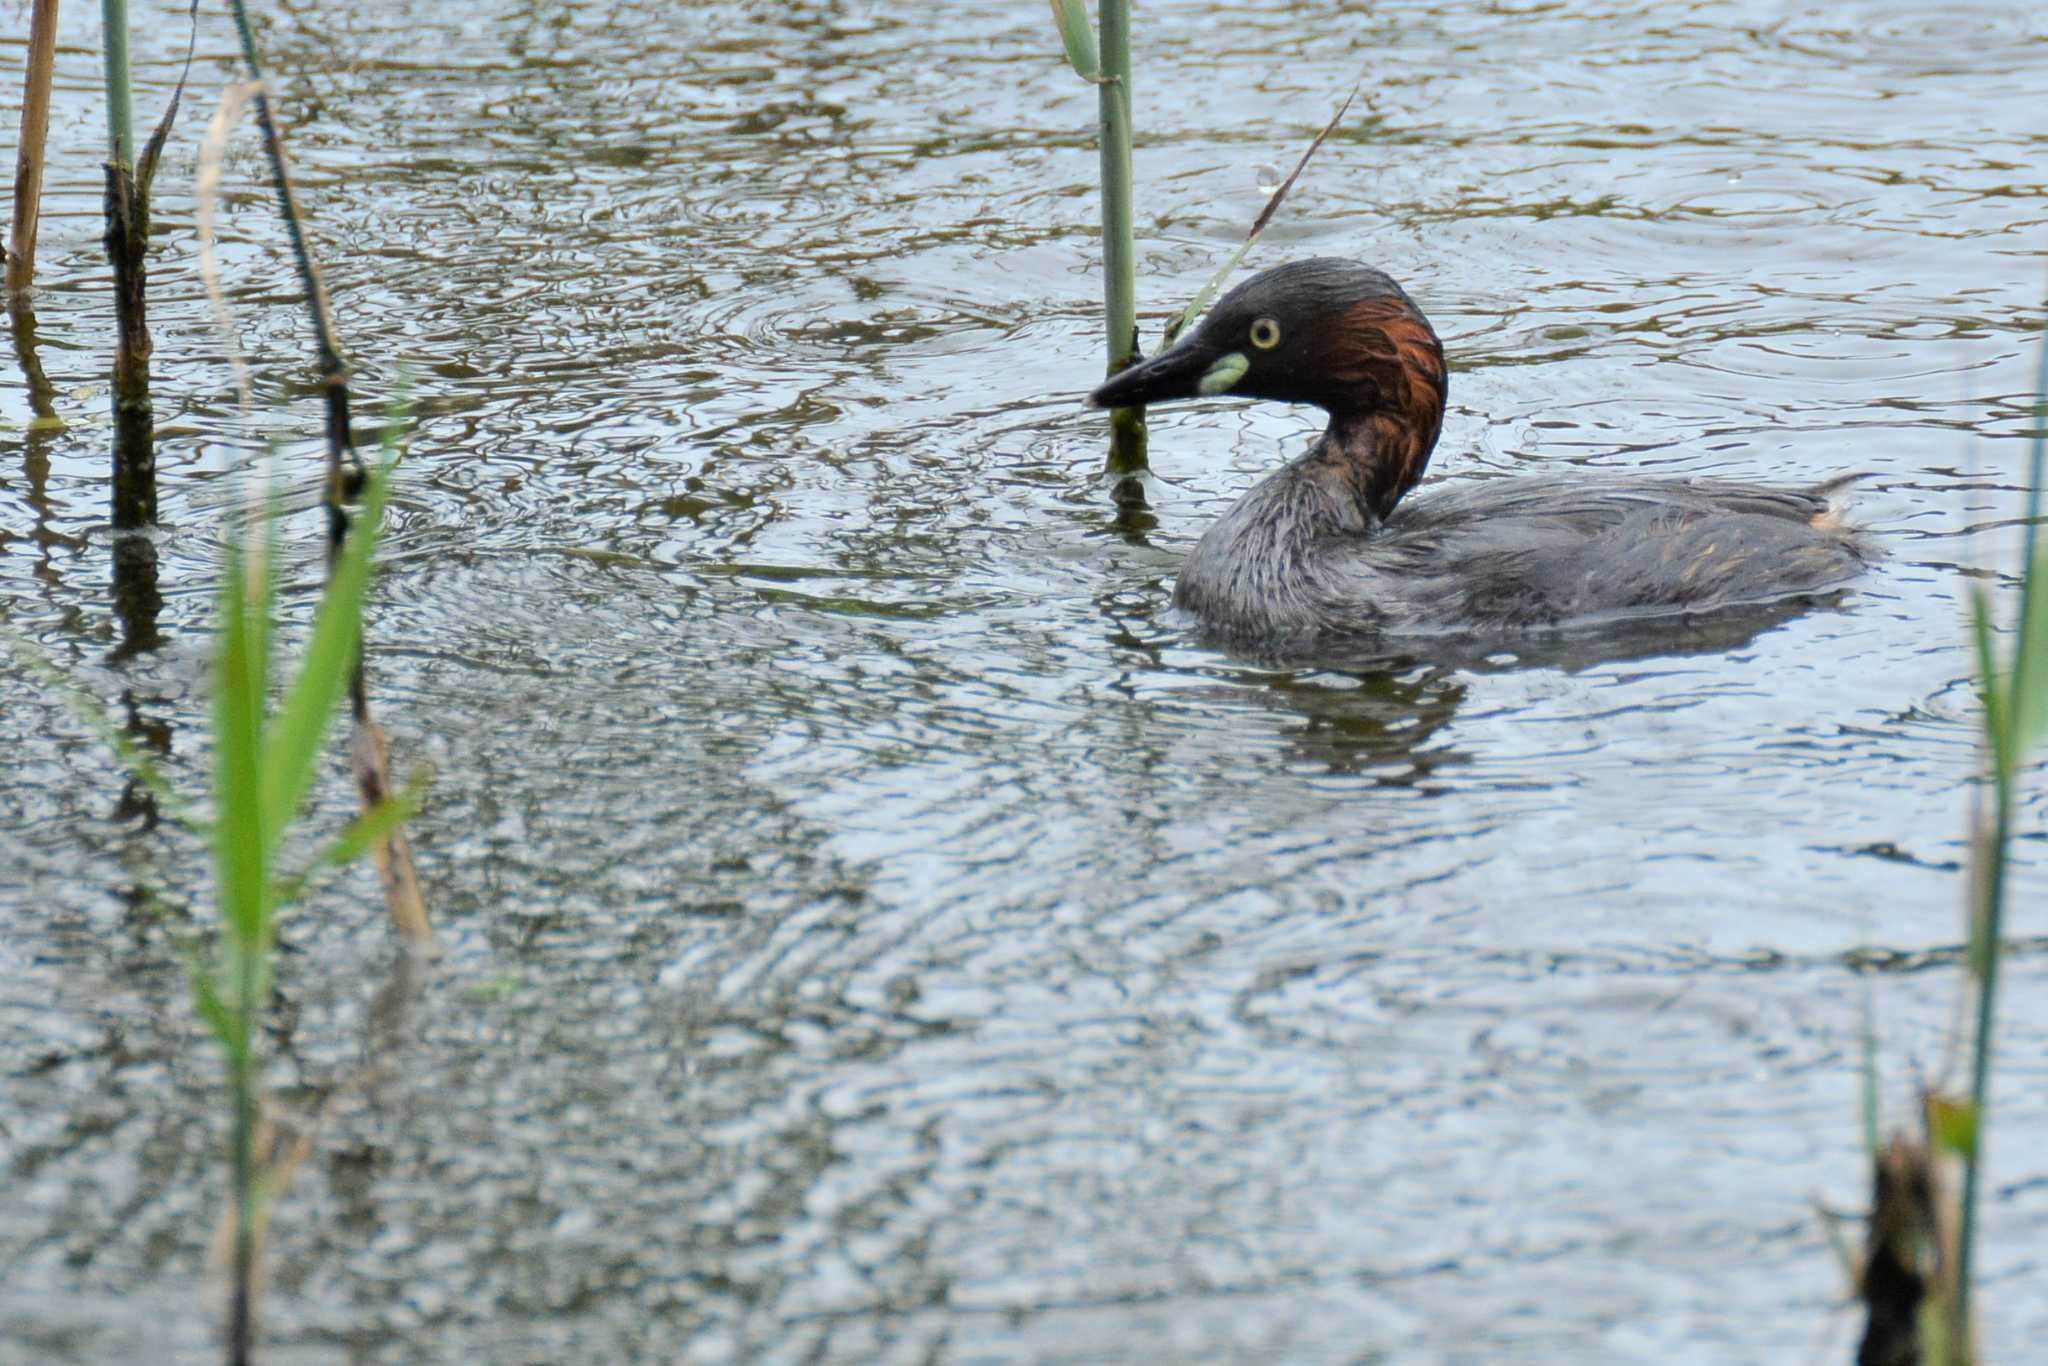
(1320, 552)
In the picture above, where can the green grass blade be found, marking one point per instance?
(262, 596)
(1273, 202)
(240, 845)
(323, 675)
(2030, 662)
(227, 1026)
(1990, 686)
(355, 839)
(1207, 295)
(2030, 656)
(1077, 37)
(1952, 1124)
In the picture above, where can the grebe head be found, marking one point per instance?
(1326, 331)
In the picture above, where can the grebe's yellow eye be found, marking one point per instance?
(1265, 334)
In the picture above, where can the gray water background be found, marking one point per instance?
(872, 929)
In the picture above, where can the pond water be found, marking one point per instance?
(872, 928)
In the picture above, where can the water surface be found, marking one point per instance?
(873, 929)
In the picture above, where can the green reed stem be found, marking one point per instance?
(1119, 257)
(120, 96)
(2007, 733)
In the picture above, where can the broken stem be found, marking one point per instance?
(35, 134)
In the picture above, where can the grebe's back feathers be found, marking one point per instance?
(1548, 552)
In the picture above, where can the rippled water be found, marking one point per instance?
(873, 929)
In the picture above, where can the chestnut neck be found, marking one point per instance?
(1374, 456)
(1384, 385)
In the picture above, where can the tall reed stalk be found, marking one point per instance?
(1108, 68)
(128, 179)
(127, 241)
(2015, 719)
(120, 97)
(377, 830)
(1127, 456)
(1918, 1274)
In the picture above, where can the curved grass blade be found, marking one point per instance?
(2029, 697)
(356, 838)
(1990, 685)
(2030, 655)
(227, 1026)
(241, 844)
(1077, 38)
(1208, 292)
(324, 673)
(153, 150)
